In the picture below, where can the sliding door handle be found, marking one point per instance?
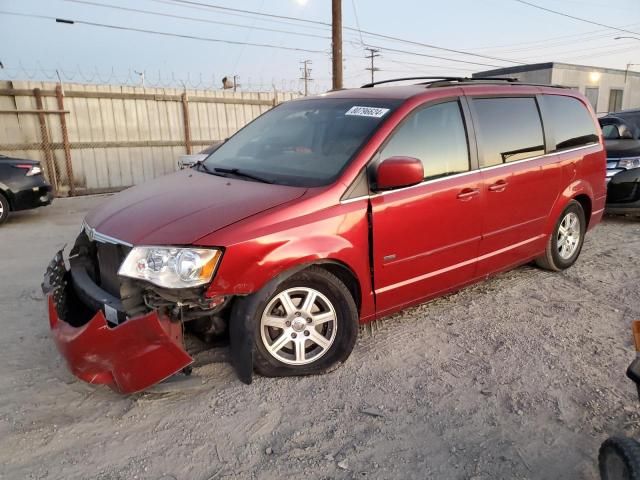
(499, 186)
(468, 193)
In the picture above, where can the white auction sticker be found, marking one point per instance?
(374, 112)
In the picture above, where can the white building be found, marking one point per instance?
(608, 89)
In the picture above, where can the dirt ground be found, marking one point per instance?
(521, 376)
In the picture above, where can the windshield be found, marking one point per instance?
(303, 143)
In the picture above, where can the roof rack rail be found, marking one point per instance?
(405, 79)
(450, 81)
(438, 80)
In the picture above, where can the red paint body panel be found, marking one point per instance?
(178, 209)
(419, 234)
(128, 358)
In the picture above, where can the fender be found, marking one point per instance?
(248, 265)
(575, 188)
(240, 276)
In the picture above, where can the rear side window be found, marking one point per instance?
(570, 122)
(509, 129)
(436, 136)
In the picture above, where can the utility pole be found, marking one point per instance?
(235, 82)
(306, 75)
(336, 42)
(373, 53)
(629, 65)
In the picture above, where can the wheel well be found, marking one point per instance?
(9, 200)
(346, 276)
(585, 202)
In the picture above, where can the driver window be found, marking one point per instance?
(434, 135)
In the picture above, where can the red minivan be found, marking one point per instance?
(324, 213)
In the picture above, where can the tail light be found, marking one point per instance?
(31, 170)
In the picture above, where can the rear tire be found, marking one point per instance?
(4, 209)
(565, 242)
(307, 326)
(619, 459)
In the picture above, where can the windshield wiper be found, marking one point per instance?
(238, 173)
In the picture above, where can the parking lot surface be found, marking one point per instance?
(521, 376)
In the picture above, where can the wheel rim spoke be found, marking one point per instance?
(307, 306)
(286, 302)
(320, 318)
(280, 342)
(300, 351)
(275, 322)
(318, 339)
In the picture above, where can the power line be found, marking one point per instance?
(355, 14)
(363, 32)
(575, 18)
(158, 32)
(578, 37)
(252, 12)
(388, 49)
(196, 19)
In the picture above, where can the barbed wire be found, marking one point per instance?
(152, 79)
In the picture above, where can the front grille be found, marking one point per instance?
(109, 258)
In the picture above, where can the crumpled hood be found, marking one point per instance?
(180, 208)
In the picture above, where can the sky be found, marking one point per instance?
(508, 30)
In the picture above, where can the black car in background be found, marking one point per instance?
(22, 186)
(621, 132)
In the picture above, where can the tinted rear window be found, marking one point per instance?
(570, 122)
(509, 129)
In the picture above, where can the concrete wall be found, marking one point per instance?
(581, 77)
(534, 76)
(604, 80)
(118, 136)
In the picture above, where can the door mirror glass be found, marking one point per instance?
(397, 172)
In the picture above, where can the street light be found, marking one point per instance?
(620, 38)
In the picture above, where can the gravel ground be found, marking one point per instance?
(521, 376)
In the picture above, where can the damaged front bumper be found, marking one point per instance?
(128, 357)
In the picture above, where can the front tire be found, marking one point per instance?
(307, 326)
(4, 209)
(619, 459)
(565, 242)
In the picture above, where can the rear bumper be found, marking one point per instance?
(129, 357)
(37, 196)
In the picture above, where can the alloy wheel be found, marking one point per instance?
(568, 235)
(298, 326)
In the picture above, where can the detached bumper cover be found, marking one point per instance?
(129, 357)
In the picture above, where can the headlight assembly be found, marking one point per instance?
(630, 162)
(171, 267)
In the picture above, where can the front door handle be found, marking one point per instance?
(467, 194)
(499, 186)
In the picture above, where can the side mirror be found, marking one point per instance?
(624, 132)
(397, 172)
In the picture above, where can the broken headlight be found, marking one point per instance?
(171, 267)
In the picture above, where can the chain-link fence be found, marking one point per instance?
(93, 138)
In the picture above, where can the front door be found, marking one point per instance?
(426, 237)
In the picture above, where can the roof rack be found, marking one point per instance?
(440, 81)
